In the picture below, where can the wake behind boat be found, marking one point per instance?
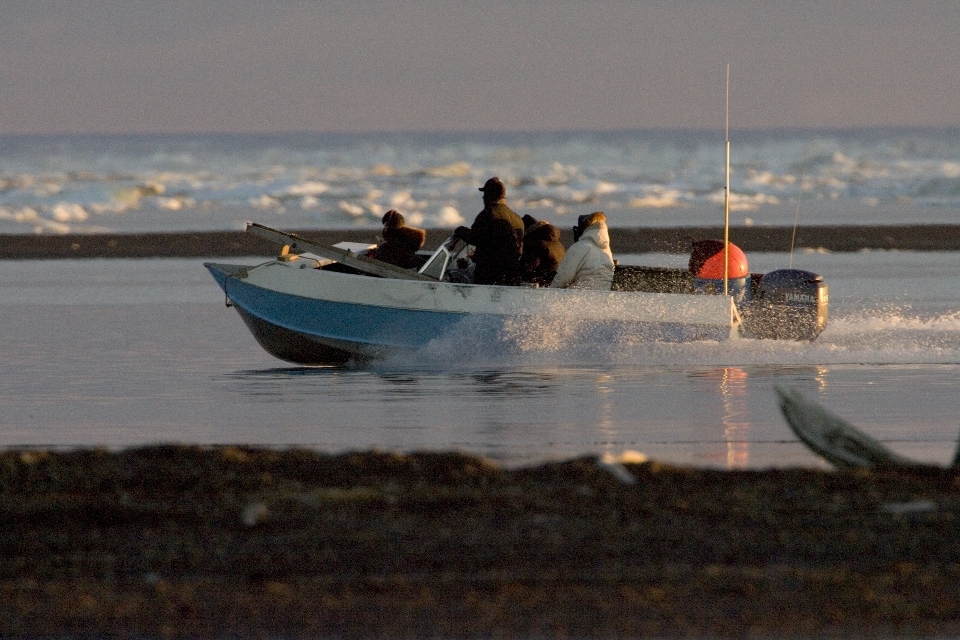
(316, 305)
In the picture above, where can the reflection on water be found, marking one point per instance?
(142, 364)
(736, 424)
(715, 416)
(731, 388)
(606, 427)
(508, 383)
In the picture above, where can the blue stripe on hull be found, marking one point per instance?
(310, 331)
(362, 325)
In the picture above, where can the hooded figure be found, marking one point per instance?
(542, 251)
(400, 242)
(588, 263)
(497, 235)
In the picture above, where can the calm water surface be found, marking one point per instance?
(128, 352)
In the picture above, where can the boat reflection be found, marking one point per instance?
(731, 385)
(736, 426)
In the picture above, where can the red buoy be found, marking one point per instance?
(706, 261)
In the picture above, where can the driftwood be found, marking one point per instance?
(836, 440)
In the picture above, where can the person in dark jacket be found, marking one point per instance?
(400, 242)
(497, 235)
(542, 251)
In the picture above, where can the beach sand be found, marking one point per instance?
(210, 244)
(225, 541)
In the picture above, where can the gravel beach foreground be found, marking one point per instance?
(227, 541)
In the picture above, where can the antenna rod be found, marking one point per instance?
(726, 198)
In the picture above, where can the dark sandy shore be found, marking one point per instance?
(226, 542)
(933, 237)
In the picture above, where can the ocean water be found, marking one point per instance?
(121, 353)
(88, 184)
(126, 352)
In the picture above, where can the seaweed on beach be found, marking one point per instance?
(198, 541)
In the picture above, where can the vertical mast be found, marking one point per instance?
(726, 197)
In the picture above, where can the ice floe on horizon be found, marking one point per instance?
(195, 183)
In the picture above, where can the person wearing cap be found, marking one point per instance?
(400, 242)
(542, 251)
(497, 237)
(588, 263)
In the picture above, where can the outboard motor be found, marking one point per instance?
(706, 266)
(789, 304)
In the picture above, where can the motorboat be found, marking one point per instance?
(316, 305)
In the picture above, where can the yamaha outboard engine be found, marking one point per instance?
(788, 304)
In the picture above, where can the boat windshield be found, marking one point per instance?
(439, 264)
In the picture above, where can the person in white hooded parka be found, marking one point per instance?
(588, 263)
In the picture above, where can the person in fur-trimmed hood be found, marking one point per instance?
(400, 242)
(588, 263)
(542, 251)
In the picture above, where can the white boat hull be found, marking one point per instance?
(313, 316)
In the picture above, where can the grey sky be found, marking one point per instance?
(457, 65)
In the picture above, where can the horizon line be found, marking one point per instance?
(492, 132)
